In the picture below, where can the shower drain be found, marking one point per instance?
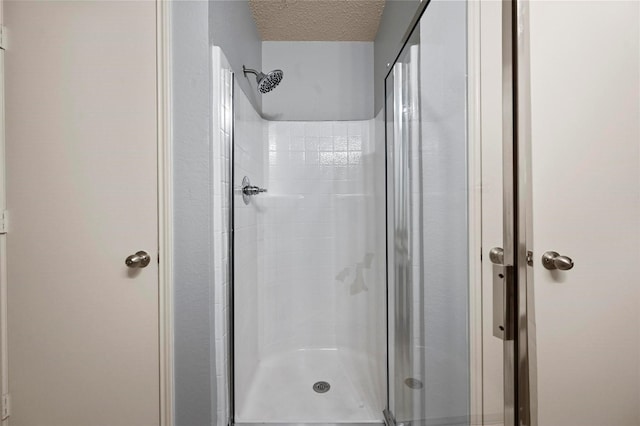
(321, 387)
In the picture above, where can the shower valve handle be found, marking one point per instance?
(252, 190)
(249, 190)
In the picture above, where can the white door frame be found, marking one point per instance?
(474, 141)
(165, 210)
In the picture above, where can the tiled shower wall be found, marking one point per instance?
(324, 281)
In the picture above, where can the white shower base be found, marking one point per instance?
(282, 390)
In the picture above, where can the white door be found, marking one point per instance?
(585, 117)
(82, 194)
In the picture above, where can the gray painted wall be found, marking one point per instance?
(322, 80)
(234, 31)
(196, 25)
(394, 23)
(193, 327)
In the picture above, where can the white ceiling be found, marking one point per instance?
(317, 20)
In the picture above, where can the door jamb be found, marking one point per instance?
(474, 141)
(4, 350)
(165, 209)
(526, 360)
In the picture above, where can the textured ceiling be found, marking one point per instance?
(317, 20)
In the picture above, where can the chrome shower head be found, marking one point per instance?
(270, 81)
(266, 82)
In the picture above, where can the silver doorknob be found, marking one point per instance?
(496, 256)
(552, 260)
(139, 260)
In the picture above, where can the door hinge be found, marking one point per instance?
(4, 222)
(6, 406)
(3, 37)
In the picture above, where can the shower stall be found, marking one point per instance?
(310, 331)
(348, 273)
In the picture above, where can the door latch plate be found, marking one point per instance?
(503, 302)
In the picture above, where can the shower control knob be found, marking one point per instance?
(252, 190)
(249, 190)
(552, 260)
(139, 260)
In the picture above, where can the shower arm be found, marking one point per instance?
(251, 71)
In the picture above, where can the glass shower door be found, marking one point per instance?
(460, 346)
(428, 232)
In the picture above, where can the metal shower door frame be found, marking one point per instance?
(231, 264)
(520, 395)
